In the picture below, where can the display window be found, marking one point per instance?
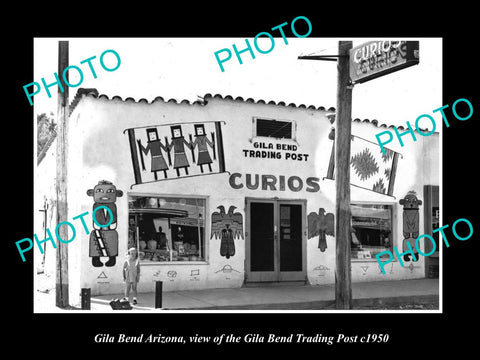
(165, 228)
(372, 231)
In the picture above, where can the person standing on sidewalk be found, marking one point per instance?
(131, 274)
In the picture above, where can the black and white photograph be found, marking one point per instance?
(269, 187)
(229, 199)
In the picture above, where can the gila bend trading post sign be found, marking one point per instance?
(377, 58)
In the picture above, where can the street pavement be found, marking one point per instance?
(364, 295)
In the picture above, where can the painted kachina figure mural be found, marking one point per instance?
(227, 227)
(410, 222)
(104, 240)
(321, 224)
(201, 140)
(175, 158)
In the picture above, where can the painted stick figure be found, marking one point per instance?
(202, 141)
(155, 147)
(178, 144)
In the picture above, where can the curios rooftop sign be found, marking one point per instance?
(377, 58)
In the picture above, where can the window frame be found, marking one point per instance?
(206, 227)
(293, 137)
(393, 231)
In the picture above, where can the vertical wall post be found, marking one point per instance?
(61, 180)
(85, 298)
(343, 288)
(158, 294)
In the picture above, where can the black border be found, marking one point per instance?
(410, 334)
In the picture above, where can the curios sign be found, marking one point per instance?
(377, 58)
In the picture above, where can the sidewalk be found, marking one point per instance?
(306, 297)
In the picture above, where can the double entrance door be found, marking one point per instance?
(275, 240)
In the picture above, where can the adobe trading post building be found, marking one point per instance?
(228, 192)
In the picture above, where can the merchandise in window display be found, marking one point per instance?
(182, 238)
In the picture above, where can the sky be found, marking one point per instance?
(186, 68)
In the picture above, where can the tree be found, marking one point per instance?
(46, 131)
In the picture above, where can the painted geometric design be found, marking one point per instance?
(379, 186)
(195, 272)
(368, 165)
(364, 268)
(227, 269)
(380, 270)
(387, 173)
(388, 155)
(412, 267)
(364, 164)
(322, 269)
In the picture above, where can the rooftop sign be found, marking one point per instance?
(377, 58)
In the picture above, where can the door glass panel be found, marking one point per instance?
(262, 241)
(290, 238)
